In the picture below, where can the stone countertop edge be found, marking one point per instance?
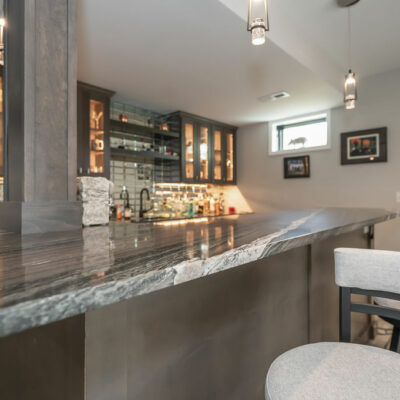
(35, 313)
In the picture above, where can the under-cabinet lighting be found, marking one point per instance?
(181, 222)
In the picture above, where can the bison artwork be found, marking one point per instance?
(299, 140)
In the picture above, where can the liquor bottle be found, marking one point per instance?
(206, 204)
(201, 205)
(221, 203)
(217, 209)
(127, 211)
(124, 196)
(212, 205)
(119, 212)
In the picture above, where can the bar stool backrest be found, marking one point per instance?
(368, 272)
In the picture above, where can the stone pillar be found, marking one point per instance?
(41, 71)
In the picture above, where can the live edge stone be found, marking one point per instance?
(50, 277)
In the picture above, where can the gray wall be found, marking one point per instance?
(260, 176)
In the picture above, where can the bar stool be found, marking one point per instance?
(344, 371)
(394, 343)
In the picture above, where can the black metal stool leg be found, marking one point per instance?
(394, 344)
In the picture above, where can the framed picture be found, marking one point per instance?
(364, 146)
(297, 167)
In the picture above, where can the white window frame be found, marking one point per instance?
(272, 131)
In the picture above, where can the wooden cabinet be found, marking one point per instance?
(208, 150)
(93, 146)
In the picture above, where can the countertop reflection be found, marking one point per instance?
(45, 278)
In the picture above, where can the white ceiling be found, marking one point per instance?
(196, 56)
(315, 32)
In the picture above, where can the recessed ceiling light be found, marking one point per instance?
(274, 96)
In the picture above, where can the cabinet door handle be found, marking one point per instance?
(80, 170)
(88, 171)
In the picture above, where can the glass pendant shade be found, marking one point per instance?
(257, 22)
(350, 90)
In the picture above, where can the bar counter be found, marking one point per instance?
(50, 277)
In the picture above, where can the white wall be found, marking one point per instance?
(260, 176)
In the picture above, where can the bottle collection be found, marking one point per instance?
(185, 201)
(175, 201)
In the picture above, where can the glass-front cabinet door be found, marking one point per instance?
(230, 166)
(203, 152)
(196, 151)
(96, 137)
(188, 170)
(217, 154)
(93, 151)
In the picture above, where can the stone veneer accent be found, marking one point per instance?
(94, 192)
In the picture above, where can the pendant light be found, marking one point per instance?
(350, 90)
(257, 21)
(350, 82)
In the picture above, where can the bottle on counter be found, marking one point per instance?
(190, 208)
(124, 196)
(195, 206)
(119, 212)
(127, 211)
(217, 206)
(221, 204)
(206, 209)
(212, 205)
(201, 205)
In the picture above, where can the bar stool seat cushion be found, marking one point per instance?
(334, 371)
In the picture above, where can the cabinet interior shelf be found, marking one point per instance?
(127, 129)
(145, 154)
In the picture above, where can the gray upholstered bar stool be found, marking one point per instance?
(394, 344)
(345, 371)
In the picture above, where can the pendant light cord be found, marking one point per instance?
(349, 32)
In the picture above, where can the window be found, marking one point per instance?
(294, 135)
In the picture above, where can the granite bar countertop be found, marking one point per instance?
(49, 277)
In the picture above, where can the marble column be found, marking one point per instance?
(41, 71)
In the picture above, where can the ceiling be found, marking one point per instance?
(315, 32)
(196, 56)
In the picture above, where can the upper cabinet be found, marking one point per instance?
(93, 130)
(208, 150)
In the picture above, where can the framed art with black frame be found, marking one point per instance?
(297, 167)
(367, 146)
